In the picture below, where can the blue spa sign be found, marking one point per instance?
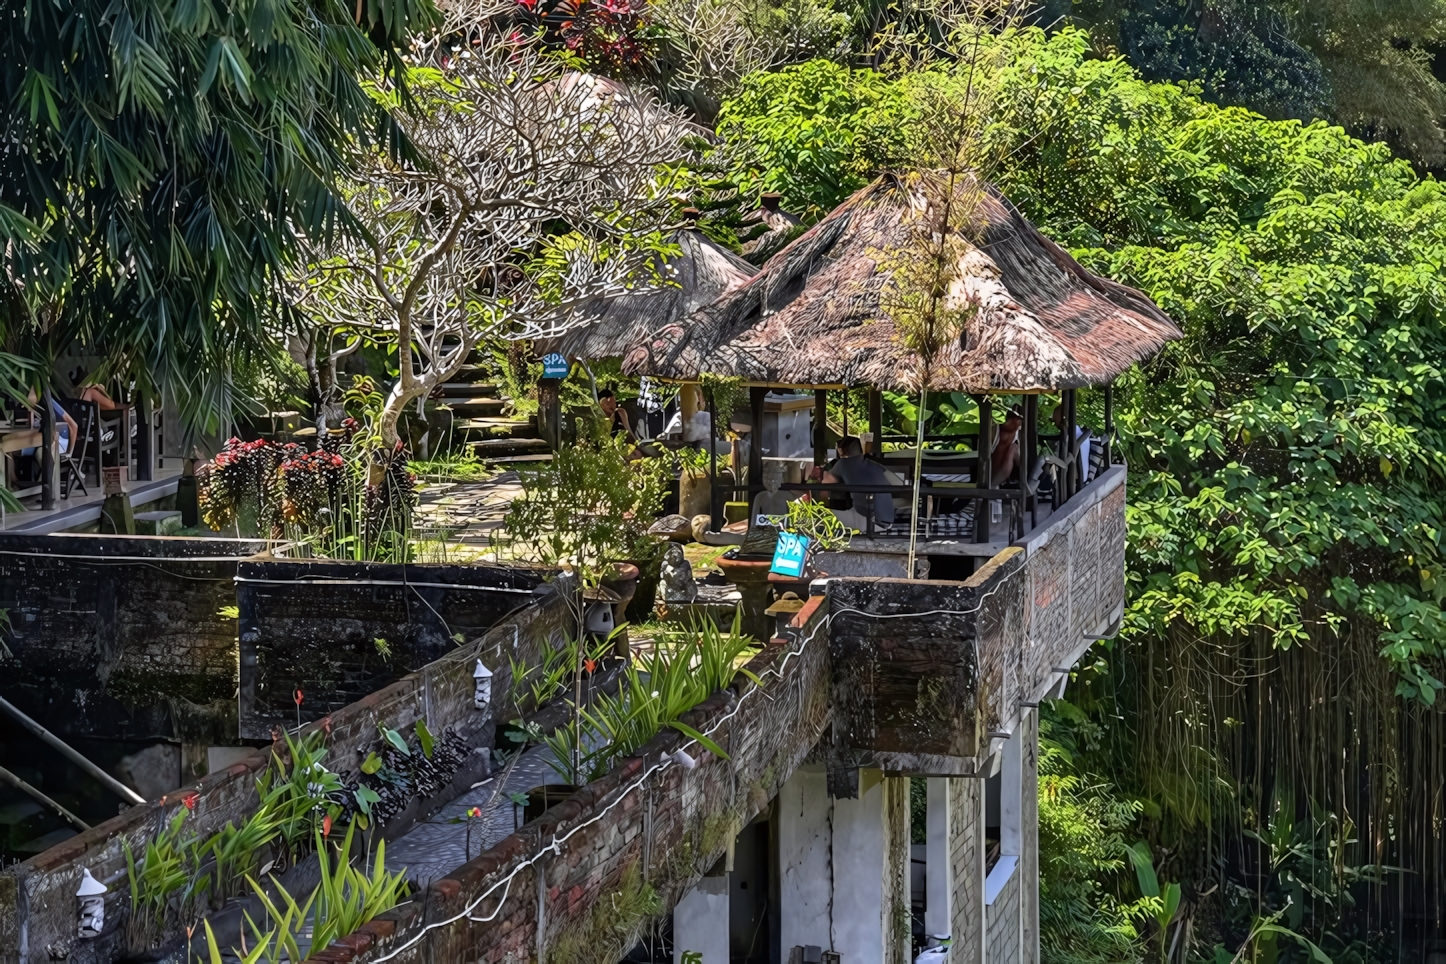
(554, 366)
(790, 555)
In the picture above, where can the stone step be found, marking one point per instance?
(500, 449)
(472, 407)
(485, 428)
(462, 389)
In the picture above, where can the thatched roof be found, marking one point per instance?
(780, 227)
(812, 314)
(695, 277)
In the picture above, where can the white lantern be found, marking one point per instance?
(482, 697)
(91, 896)
(599, 619)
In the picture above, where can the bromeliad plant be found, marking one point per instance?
(684, 668)
(816, 521)
(349, 499)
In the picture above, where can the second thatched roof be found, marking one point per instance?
(815, 315)
(693, 278)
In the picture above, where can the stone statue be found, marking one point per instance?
(676, 584)
(770, 501)
(762, 538)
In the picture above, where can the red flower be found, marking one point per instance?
(297, 697)
(190, 801)
(590, 664)
(326, 825)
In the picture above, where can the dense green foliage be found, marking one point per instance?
(165, 158)
(1369, 65)
(1287, 466)
(1288, 452)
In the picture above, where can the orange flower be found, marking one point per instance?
(326, 825)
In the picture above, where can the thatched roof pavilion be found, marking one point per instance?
(695, 277)
(812, 316)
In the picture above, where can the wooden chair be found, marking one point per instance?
(72, 463)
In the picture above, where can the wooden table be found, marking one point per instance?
(12, 441)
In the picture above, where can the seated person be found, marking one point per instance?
(852, 468)
(89, 391)
(1005, 458)
(614, 415)
(28, 443)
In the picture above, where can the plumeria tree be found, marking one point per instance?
(529, 190)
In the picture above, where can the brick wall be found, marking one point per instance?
(966, 860)
(649, 823)
(133, 618)
(314, 625)
(1003, 934)
(37, 903)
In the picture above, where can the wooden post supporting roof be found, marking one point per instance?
(755, 439)
(876, 421)
(820, 426)
(986, 468)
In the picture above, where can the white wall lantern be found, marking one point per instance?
(599, 619)
(91, 897)
(482, 696)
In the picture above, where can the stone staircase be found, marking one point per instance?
(483, 419)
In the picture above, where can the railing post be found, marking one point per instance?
(1031, 456)
(1071, 429)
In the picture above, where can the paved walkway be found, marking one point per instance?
(466, 513)
(437, 846)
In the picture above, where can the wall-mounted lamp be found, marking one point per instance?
(682, 758)
(482, 696)
(91, 897)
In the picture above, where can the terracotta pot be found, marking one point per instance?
(751, 578)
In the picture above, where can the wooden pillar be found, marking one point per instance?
(986, 468)
(876, 421)
(820, 426)
(1072, 446)
(1109, 423)
(755, 441)
(48, 467)
(145, 460)
(688, 403)
(715, 507)
(549, 412)
(1031, 457)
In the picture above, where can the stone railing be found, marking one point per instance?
(1075, 568)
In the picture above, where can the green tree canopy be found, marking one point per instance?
(164, 156)
(1287, 457)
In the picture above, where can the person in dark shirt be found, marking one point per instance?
(852, 468)
(614, 414)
